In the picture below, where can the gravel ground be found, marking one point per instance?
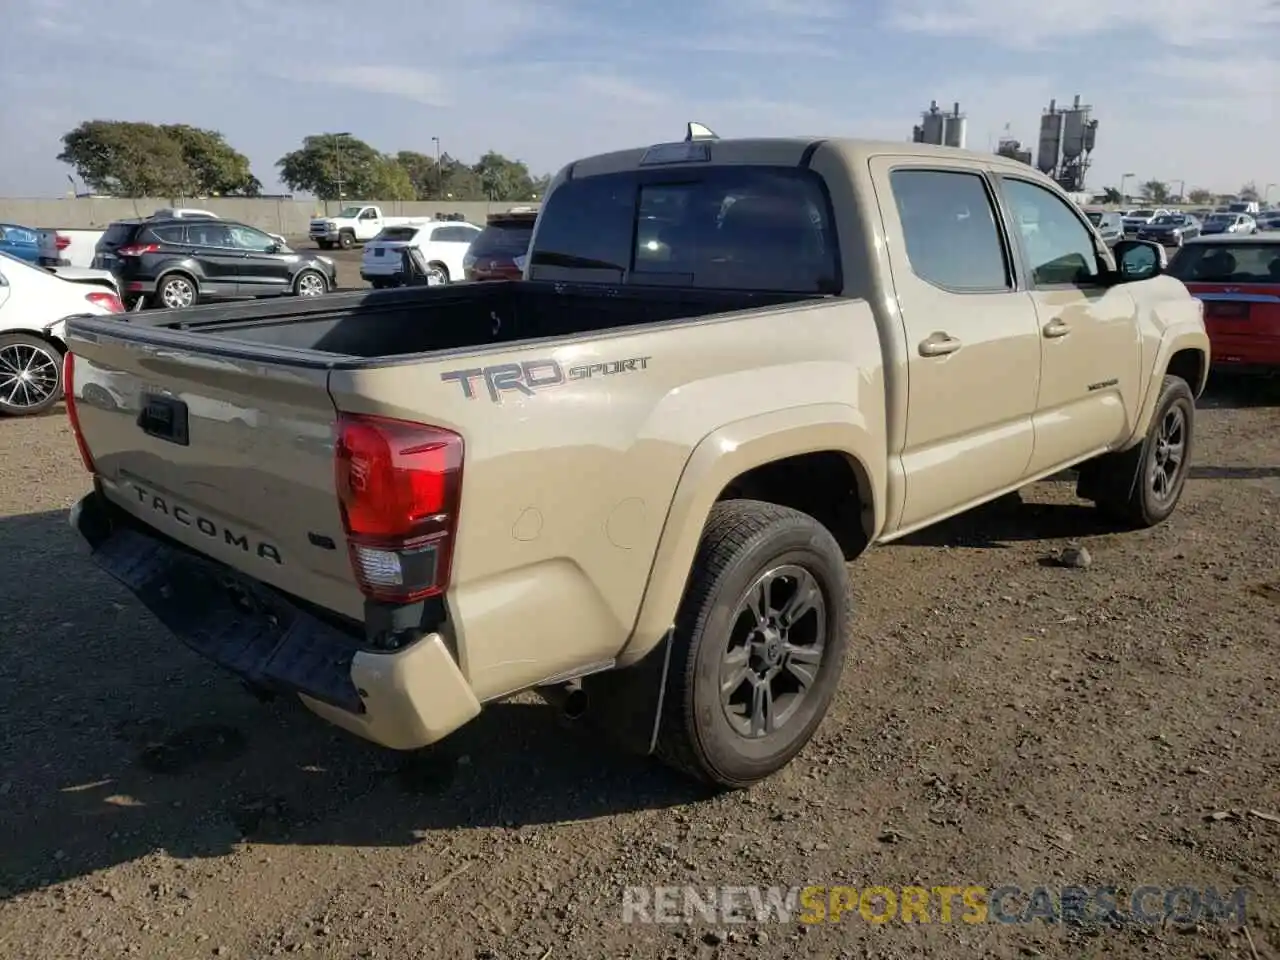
(1001, 720)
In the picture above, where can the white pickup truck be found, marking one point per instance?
(353, 225)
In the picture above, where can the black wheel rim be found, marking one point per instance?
(28, 375)
(1168, 454)
(777, 639)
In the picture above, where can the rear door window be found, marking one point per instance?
(209, 234)
(172, 233)
(739, 227)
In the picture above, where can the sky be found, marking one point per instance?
(1182, 89)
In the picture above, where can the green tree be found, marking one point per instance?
(216, 168)
(1250, 191)
(1200, 196)
(460, 180)
(1112, 195)
(332, 167)
(1156, 191)
(127, 159)
(390, 181)
(423, 173)
(503, 179)
(540, 185)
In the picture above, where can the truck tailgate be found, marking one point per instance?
(232, 457)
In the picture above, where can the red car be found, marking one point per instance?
(499, 252)
(1237, 278)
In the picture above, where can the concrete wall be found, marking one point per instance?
(287, 217)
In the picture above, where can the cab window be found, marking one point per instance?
(1059, 249)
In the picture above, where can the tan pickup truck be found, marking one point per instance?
(632, 478)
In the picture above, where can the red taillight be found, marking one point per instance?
(137, 249)
(107, 301)
(73, 416)
(398, 489)
(61, 242)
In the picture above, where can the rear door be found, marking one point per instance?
(974, 349)
(232, 456)
(115, 237)
(1090, 356)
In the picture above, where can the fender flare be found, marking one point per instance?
(1177, 339)
(727, 453)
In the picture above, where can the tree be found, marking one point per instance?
(1112, 195)
(332, 167)
(1157, 191)
(503, 179)
(1250, 191)
(216, 168)
(423, 173)
(460, 180)
(127, 159)
(388, 180)
(1200, 196)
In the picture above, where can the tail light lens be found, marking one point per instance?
(107, 301)
(399, 485)
(73, 415)
(137, 249)
(61, 242)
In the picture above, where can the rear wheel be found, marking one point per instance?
(437, 274)
(759, 644)
(310, 283)
(176, 291)
(30, 374)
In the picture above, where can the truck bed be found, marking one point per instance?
(410, 321)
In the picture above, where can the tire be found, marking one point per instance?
(324, 244)
(745, 543)
(437, 274)
(177, 291)
(310, 283)
(41, 388)
(346, 240)
(1124, 485)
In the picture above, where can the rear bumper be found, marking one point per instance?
(403, 700)
(53, 262)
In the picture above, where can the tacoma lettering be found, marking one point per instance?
(181, 515)
(530, 376)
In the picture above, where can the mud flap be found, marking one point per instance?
(243, 626)
(626, 704)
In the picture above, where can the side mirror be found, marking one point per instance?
(1139, 260)
(272, 248)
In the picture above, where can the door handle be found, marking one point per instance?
(938, 345)
(1057, 327)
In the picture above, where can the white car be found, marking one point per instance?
(443, 243)
(34, 305)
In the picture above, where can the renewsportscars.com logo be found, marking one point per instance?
(1073, 905)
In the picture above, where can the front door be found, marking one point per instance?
(264, 272)
(973, 351)
(1090, 355)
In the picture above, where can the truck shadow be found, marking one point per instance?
(1225, 391)
(120, 742)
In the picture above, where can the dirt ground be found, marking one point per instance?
(1001, 721)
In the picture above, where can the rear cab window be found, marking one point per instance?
(738, 227)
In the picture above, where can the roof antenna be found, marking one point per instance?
(697, 131)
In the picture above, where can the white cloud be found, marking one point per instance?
(1189, 23)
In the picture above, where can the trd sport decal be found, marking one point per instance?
(533, 375)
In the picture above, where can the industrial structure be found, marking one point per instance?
(941, 129)
(1067, 138)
